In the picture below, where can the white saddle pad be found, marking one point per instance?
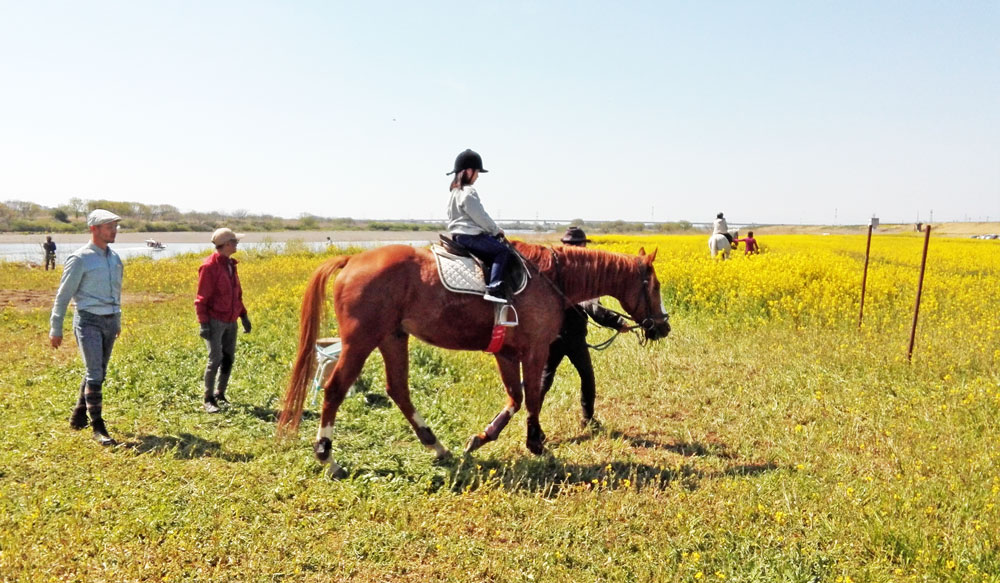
(464, 275)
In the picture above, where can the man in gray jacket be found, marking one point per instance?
(92, 278)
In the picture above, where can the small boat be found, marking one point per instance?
(154, 244)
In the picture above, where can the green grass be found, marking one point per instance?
(769, 453)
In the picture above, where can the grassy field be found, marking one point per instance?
(767, 439)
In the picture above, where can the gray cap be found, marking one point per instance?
(100, 217)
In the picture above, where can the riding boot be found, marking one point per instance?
(78, 420)
(94, 399)
(101, 433)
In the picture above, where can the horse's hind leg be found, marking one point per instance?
(533, 396)
(345, 372)
(397, 363)
(510, 373)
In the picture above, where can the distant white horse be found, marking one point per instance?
(718, 243)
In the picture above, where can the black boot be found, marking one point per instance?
(94, 399)
(220, 398)
(101, 433)
(78, 420)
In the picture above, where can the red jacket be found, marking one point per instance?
(220, 296)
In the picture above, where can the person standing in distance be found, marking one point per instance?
(219, 303)
(471, 227)
(49, 246)
(572, 339)
(92, 278)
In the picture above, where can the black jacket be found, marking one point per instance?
(575, 320)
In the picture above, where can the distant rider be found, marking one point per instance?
(721, 228)
(471, 227)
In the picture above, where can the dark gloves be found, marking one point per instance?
(206, 331)
(246, 323)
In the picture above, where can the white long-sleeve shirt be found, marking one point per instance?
(721, 227)
(466, 215)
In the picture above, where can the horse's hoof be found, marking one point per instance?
(474, 443)
(535, 447)
(443, 455)
(322, 449)
(335, 472)
(591, 424)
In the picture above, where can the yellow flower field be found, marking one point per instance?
(816, 280)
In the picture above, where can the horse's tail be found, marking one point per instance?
(305, 360)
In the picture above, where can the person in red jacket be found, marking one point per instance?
(219, 304)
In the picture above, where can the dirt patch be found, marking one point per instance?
(23, 299)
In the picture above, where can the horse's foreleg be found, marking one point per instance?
(511, 375)
(397, 363)
(345, 372)
(533, 366)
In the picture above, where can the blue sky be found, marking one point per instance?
(796, 112)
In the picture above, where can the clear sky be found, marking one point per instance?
(801, 112)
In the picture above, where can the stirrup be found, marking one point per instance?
(505, 316)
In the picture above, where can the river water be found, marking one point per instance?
(32, 252)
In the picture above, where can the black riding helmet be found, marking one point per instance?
(468, 160)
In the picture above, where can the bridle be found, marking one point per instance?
(649, 323)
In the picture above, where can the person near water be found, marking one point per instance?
(572, 339)
(471, 227)
(721, 228)
(92, 278)
(218, 304)
(49, 246)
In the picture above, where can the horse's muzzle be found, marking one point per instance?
(655, 330)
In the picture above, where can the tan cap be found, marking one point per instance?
(225, 235)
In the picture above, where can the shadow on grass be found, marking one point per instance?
(548, 476)
(646, 441)
(268, 415)
(184, 446)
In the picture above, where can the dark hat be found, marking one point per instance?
(468, 160)
(575, 236)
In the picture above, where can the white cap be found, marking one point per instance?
(101, 216)
(224, 235)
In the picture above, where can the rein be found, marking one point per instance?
(566, 301)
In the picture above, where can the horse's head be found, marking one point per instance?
(645, 304)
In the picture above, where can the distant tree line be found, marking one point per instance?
(27, 217)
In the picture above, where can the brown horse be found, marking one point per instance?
(384, 295)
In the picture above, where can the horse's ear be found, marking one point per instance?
(642, 251)
(652, 256)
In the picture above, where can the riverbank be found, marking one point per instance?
(191, 237)
(204, 237)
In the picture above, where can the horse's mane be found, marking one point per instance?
(579, 267)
